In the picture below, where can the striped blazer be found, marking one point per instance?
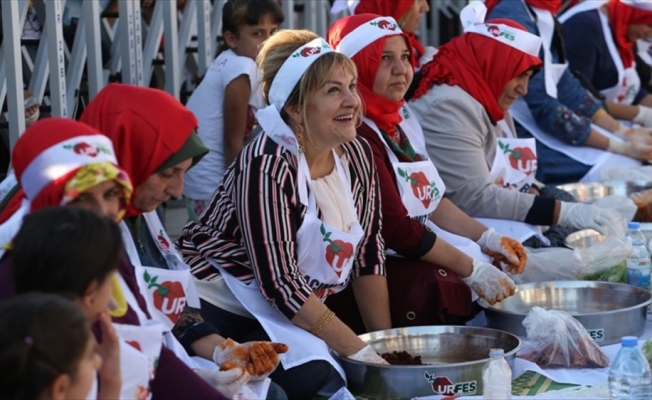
(250, 225)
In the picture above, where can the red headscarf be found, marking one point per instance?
(478, 64)
(383, 111)
(620, 17)
(147, 126)
(550, 5)
(395, 9)
(46, 176)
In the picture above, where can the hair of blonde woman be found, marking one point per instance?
(279, 47)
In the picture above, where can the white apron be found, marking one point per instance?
(422, 199)
(514, 167)
(166, 291)
(629, 83)
(325, 258)
(140, 348)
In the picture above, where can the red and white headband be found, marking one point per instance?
(640, 4)
(367, 33)
(64, 157)
(473, 16)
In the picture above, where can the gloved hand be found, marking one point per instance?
(259, 359)
(644, 116)
(638, 135)
(368, 355)
(584, 216)
(226, 382)
(504, 249)
(636, 151)
(490, 283)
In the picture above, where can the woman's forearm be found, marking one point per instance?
(450, 218)
(597, 140)
(372, 297)
(446, 255)
(335, 333)
(621, 111)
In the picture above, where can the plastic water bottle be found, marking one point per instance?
(638, 259)
(629, 373)
(497, 377)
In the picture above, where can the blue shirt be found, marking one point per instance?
(567, 117)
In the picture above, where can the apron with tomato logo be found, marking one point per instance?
(629, 82)
(325, 259)
(140, 349)
(166, 291)
(420, 185)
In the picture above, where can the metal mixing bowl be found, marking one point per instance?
(607, 310)
(583, 239)
(457, 355)
(592, 191)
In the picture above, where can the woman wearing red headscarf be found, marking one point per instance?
(412, 192)
(156, 144)
(407, 13)
(559, 112)
(599, 38)
(461, 103)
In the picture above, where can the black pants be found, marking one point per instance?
(302, 382)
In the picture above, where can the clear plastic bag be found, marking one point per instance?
(557, 340)
(604, 261)
(634, 173)
(548, 264)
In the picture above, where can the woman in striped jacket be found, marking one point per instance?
(297, 216)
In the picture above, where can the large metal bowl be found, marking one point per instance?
(607, 310)
(457, 355)
(593, 191)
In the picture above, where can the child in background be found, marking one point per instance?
(47, 350)
(74, 252)
(226, 99)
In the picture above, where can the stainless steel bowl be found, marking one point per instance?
(607, 310)
(583, 239)
(457, 355)
(593, 191)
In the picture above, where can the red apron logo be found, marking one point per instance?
(385, 24)
(163, 241)
(521, 158)
(339, 248)
(423, 190)
(444, 386)
(134, 344)
(169, 297)
(85, 149)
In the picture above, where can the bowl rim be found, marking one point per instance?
(515, 350)
(529, 286)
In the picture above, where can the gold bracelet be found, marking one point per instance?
(321, 323)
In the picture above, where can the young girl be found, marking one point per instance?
(225, 101)
(74, 252)
(46, 349)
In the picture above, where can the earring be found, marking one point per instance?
(300, 138)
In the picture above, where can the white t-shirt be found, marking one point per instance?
(207, 103)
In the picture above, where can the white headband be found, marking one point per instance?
(63, 158)
(640, 4)
(473, 16)
(293, 69)
(367, 33)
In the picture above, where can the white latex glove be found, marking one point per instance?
(644, 116)
(636, 151)
(584, 216)
(226, 382)
(259, 359)
(638, 135)
(490, 283)
(368, 355)
(504, 249)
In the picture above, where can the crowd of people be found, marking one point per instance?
(334, 186)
